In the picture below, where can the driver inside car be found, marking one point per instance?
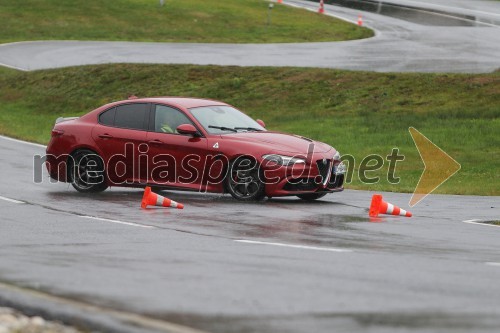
(163, 123)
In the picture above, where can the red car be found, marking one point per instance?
(189, 144)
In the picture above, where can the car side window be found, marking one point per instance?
(167, 119)
(108, 117)
(131, 116)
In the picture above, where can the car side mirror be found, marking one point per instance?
(187, 129)
(261, 123)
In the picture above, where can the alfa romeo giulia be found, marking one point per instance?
(189, 144)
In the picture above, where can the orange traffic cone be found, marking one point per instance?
(280, 1)
(379, 206)
(153, 199)
(321, 9)
(360, 21)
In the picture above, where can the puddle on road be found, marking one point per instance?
(427, 17)
(319, 222)
(332, 220)
(329, 230)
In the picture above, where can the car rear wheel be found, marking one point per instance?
(311, 196)
(87, 172)
(243, 180)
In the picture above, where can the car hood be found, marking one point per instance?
(278, 142)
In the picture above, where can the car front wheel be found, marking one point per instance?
(244, 181)
(87, 172)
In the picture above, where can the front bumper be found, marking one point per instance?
(321, 174)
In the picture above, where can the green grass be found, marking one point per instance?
(232, 21)
(359, 113)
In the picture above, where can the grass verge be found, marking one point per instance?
(241, 21)
(359, 113)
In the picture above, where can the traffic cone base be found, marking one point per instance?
(152, 199)
(379, 206)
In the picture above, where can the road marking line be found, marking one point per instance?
(124, 317)
(479, 223)
(21, 141)
(493, 263)
(118, 222)
(13, 67)
(305, 247)
(12, 200)
(23, 42)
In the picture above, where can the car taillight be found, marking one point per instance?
(57, 132)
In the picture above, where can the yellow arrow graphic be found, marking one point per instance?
(439, 166)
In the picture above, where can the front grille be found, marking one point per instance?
(323, 167)
(336, 181)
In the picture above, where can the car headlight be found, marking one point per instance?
(336, 157)
(283, 160)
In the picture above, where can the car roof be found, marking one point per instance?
(186, 102)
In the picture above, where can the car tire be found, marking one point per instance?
(244, 180)
(311, 196)
(87, 172)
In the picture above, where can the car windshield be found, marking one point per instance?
(224, 119)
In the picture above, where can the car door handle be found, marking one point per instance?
(155, 142)
(105, 136)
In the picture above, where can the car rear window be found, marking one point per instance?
(131, 116)
(108, 117)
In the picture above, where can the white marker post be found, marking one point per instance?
(271, 6)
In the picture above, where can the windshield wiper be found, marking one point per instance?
(248, 129)
(223, 128)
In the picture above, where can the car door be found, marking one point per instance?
(121, 136)
(174, 160)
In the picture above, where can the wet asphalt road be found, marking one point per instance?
(431, 272)
(399, 46)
